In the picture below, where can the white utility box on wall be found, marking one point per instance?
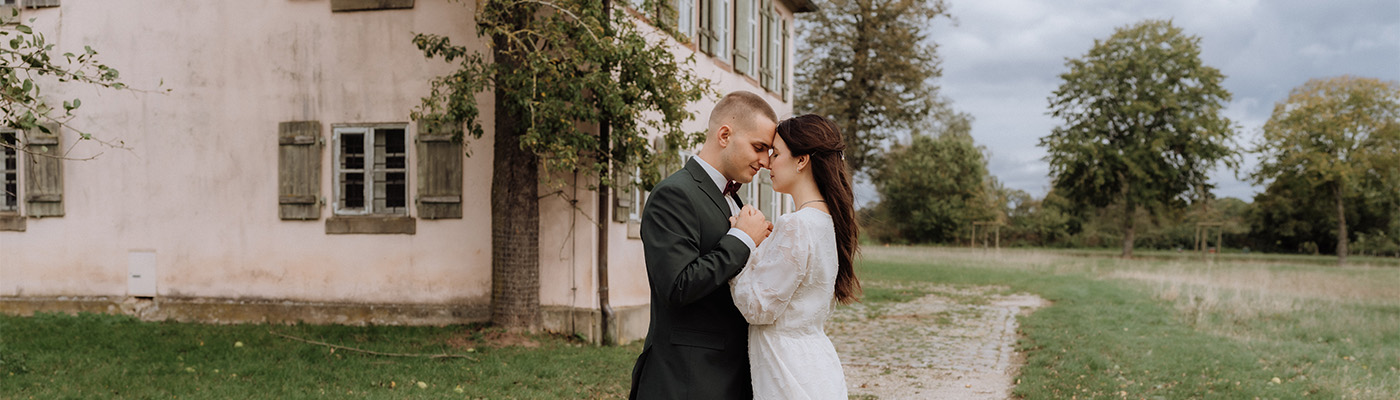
(141, 273)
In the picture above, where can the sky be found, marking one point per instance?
(1002, 60)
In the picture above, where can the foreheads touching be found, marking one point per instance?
(744, 113)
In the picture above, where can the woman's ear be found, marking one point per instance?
(803, 161)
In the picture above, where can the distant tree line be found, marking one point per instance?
(1141, 128)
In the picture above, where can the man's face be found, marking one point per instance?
(748, 149)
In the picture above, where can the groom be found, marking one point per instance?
(697, 345)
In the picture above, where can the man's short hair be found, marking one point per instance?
(737, 104)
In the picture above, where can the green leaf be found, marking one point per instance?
(23, 28)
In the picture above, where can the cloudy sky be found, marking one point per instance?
(1002, 60)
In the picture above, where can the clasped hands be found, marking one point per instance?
(752, 222)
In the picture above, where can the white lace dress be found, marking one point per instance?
(786, 292)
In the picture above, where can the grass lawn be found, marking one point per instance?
(55, 356)
(1160, 327)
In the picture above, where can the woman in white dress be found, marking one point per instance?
(791, 281)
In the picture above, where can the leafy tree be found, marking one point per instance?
(934, 187)
(1142, 123)
(869, 66)
(1342, 136)
(27, 61)
(557, 69)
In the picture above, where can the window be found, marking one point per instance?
(29, 3)
(9, 172)
(365, 5)
(783, 60)
(775, 45)
(685, 17)
(722, 29)
(753, 41)
(638, 196)
(371, 170)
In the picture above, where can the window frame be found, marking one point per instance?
(722, 31)
(11, 153)
(685, 18)
(368, 170)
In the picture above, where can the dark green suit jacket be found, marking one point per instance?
(697, 345)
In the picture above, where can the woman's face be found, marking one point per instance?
(782, 166)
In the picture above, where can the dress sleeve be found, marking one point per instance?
(764, 288)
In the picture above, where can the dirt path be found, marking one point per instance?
(954, 343)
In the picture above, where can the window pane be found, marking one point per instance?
(352, 151)
(686, 17)
(9, 174)
(11, 197)
(395, 190)
(352, 190)
(389, 179)
(394, 156)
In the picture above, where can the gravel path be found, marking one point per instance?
(954, 343)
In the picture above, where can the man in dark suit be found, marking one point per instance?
(697, 235)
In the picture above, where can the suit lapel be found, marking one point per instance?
(707, 185)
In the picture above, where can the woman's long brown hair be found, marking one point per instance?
(817, 136)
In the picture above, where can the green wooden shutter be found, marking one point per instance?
(439, 171)
(299, 170)
(43, 186)
(743, 37)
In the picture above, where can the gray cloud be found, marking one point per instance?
(1003, 58)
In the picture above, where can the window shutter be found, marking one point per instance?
(299, 170)
(743, 37)
(668, 166)
(719, 25)
(439, 171)
(668, 11)
(782, 74)
(43, 187)
(707, 35)
(765, 74)
(40, 3)
(361, 5)
(622, 193)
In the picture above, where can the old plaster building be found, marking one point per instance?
(281, 179)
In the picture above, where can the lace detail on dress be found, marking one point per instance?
(764, 288)
(786, 292)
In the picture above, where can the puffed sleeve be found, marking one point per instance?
(764, 288)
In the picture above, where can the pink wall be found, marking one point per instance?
(198, 184)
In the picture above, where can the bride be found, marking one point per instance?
(787, 288)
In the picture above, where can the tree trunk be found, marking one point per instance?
(1129, 209)
(1341, 226)
(515, 218)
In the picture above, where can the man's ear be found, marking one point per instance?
(725, 135)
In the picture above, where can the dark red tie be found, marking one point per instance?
(731, 188)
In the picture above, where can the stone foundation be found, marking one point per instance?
(233, 311)
(632, 322)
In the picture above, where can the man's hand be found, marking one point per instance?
(753, 223)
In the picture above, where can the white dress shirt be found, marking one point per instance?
(720, 181)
